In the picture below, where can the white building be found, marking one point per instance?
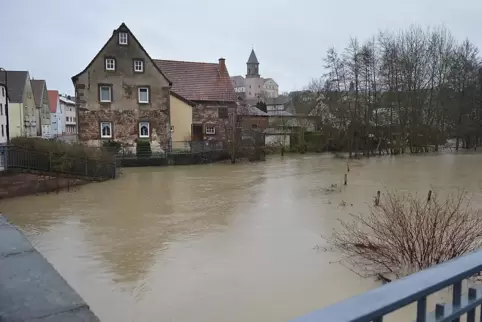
(271, 88)
(3, 118)
(70, 114)
(253, 86)
(57, 114)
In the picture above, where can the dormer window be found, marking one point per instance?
(110, 64)
(123, 38)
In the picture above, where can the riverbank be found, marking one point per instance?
(14, 184)
(30, 288)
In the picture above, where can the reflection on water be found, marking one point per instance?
(220, 242)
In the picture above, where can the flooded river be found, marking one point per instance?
(220, 242)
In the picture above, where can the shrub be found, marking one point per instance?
(143, 149)
(112, 146)
(63, 149)
(406, 234)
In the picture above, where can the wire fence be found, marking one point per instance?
(20, 158)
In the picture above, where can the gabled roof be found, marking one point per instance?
(53, 100)
(268, 80)
(252, 58)
(199, 81)
(276, 100)
(249, 110)
(238, 81)
(16, 81)
(65, 100)
(122, 28)
(38, 86)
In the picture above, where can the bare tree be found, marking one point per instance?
(410, 90)
(405, 234)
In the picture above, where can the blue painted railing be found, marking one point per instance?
(375, 304)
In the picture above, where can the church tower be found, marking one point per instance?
(252, 66)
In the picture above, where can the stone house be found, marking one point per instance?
(21, 106)
(41, 97)
(123, 95)
(209, 87)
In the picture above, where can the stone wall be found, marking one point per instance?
(209, 114)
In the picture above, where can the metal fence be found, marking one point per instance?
(196, 146)
(375, 304)
(48, 162)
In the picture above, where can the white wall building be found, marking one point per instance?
(271, 88)
(70, 114)
(57, 114)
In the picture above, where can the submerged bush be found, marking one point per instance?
(406, 234)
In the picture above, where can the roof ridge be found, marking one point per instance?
(186, 61)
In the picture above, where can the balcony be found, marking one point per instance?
(376, 304)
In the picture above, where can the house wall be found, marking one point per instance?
(16, 117)
(69, 118)
(208, 114)
(58, 120)
(124, 112)
(254, 122)
(45, 122)
(3, 118)
(254, 87)
(38, 125)
(181, 121)
(271, 89)
(29, 110)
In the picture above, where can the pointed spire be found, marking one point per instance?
(252, 58)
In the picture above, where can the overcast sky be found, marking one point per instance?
(56, 39)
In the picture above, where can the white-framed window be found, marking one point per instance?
(143, 95)
(105, 94)
(123, 38)
(143, 129)
(106, 130)
(109, 64)
(138, 66)
(3, 91)
(1, 109)
(210, 129)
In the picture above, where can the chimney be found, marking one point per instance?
(222, 66)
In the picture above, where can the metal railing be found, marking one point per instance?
(375, 304)
(196, 146)
(48, 162)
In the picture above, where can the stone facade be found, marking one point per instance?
(124, 111)
(209, 114)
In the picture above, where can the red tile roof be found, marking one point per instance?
(53, 100)
(198, 81)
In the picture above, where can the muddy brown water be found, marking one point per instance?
(221, 242)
